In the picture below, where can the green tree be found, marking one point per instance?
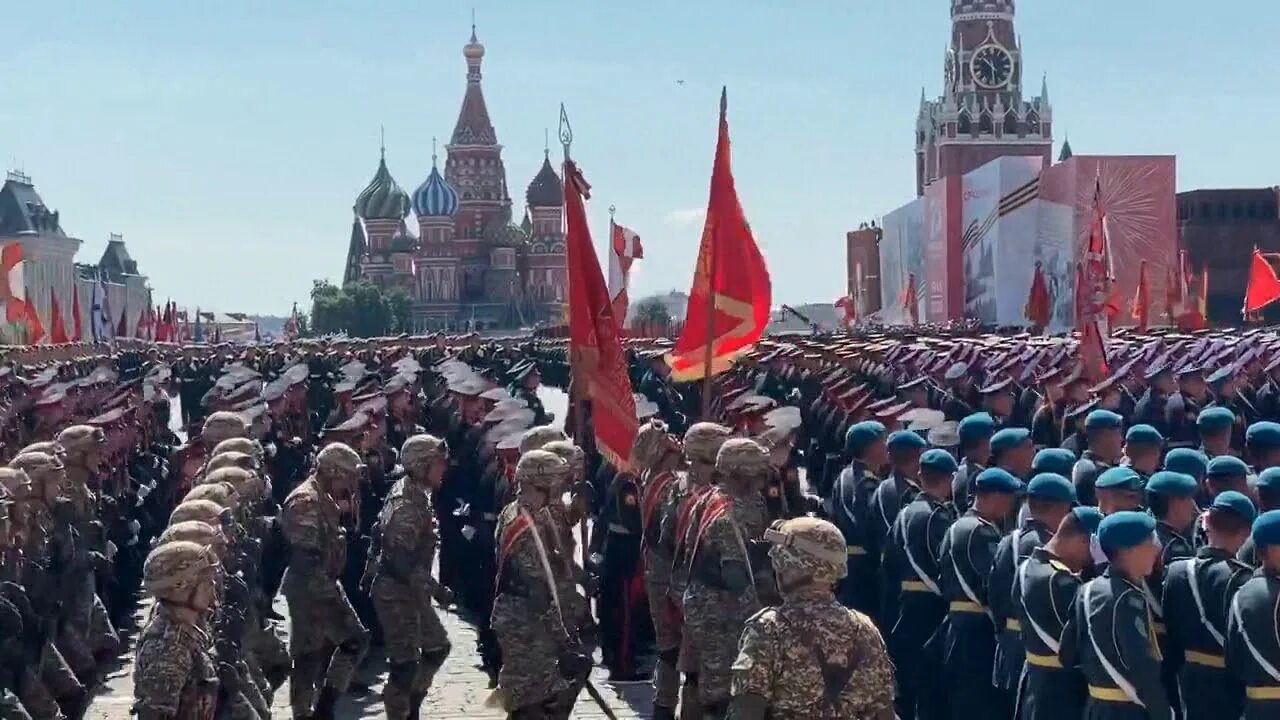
(330, 309)
(401, 306)
(651, 312)
(370, 311)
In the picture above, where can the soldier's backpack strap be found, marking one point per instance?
(1121, 682)
(1258, 657)
(1192, 564)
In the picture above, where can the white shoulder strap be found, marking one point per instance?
(1050, 641)
(1192, 564)
(915, 566)
(1258, 657)
(1125, 686)
(964, 583)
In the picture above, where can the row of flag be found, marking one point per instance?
(159, 324)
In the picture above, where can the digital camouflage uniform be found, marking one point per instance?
(327, 639)
(416, 642)
(722, 594)
(810, 657)
(174, 676)
(652, 443)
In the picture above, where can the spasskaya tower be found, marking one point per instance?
(983, 112)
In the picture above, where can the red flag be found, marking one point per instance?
(1263, 288)
(1039, 307)
(625, 250)
(140, 330)
(730, 298)
(911, 304)
(1142, 299)
(1173, 293)
(58, 333)
(595, 350)
(1094, 300)
(849, 311)
(75, 313)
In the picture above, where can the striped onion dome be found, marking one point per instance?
(382, 199)
(435, 197)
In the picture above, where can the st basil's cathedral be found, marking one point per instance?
(470, 265)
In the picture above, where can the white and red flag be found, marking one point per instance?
(17, 307)
(624, 249)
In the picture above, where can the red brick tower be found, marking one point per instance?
(983, 113)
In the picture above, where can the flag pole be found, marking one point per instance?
(708, 353)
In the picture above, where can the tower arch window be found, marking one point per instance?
(985, 125)
(965, 125)
(1033, 123)
(1011, 123)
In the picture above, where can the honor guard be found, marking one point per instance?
(966, 556)
(911, 570)
(894, 492)
(1262, 440)
(1046, 586)
(1111, 635)
(1253, 650)
(1215, 425)
(1118, 488)
(975, 432)
(1197, 599)
(850, 510)
(1106, 446)
(1058, 461)
(1143, 448)
(1268, 499)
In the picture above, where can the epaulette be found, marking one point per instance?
(1058, 565)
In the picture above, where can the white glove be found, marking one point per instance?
(468, 532)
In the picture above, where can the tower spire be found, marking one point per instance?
(473, 25)
(433, 152)
(382, 142)
(546, 142)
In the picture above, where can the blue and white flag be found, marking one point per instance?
(100, 313)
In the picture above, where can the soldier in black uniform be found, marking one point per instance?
(656, 386)
(525, 379)
(623, 608)
(1143, 449)
(911, 571)
(1225, 385)
(967, 553)
(1106, 446)
(1216, 426)
(849, 507)
(1046, 422)
(1047, 585)
(1197, 599)
(975, 432)
(1183, 406)
(1151, 406)
(1111, 636)
(893, 493)
(1253, 653)
(1262, 445)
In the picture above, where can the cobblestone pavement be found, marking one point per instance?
(459, 691)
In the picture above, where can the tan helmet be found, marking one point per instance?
(48, 447)
(245, 445)
(201, 533)
(702, 441)
(338, 463)
(536, 437)
(81, 439)
(16, 481)
(175, 569)
(247, 484)
(206, 511)
(419, 451)
(568, 452)
(222, 493)
(742, 456)
(232, 458)
(808, 548)
(541, 470)
(42, 467)
(220, 426)
(649, 444)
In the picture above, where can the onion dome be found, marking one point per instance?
(382, 199)
(546, 189)
(473, 50)
(435, 197)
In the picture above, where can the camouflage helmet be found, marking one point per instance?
(231, 459)
(222, 493)
(80, 439)
(650, 441)
(419, 451)
(248, 446)
(175, 569)
(808, 548)
(206, 511)
(16, 482)
(201, 533)
(220, 426)
(42, 467)
(568, 452)
(742, 456)
(247, 483)
(48, 447)
(702, 441)
(337, 461)
(541, 470)
(536, 437)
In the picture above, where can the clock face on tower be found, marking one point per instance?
(991, 66)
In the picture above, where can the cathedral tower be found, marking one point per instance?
(983, 113)
(474, 165)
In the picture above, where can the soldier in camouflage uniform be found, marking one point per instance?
(810, 657)
(542, 666)
(566, 517)
(13, 649)
(404, 549)
(722, 591)
(701, 445)
(327, 639)
(656, 455)
(174, 676)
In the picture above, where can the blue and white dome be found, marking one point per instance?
(435, 197)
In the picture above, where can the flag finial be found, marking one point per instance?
(612, 210)
(566, 131)
(382, 141)
(724, 100)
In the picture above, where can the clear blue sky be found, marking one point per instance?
(227, 143)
